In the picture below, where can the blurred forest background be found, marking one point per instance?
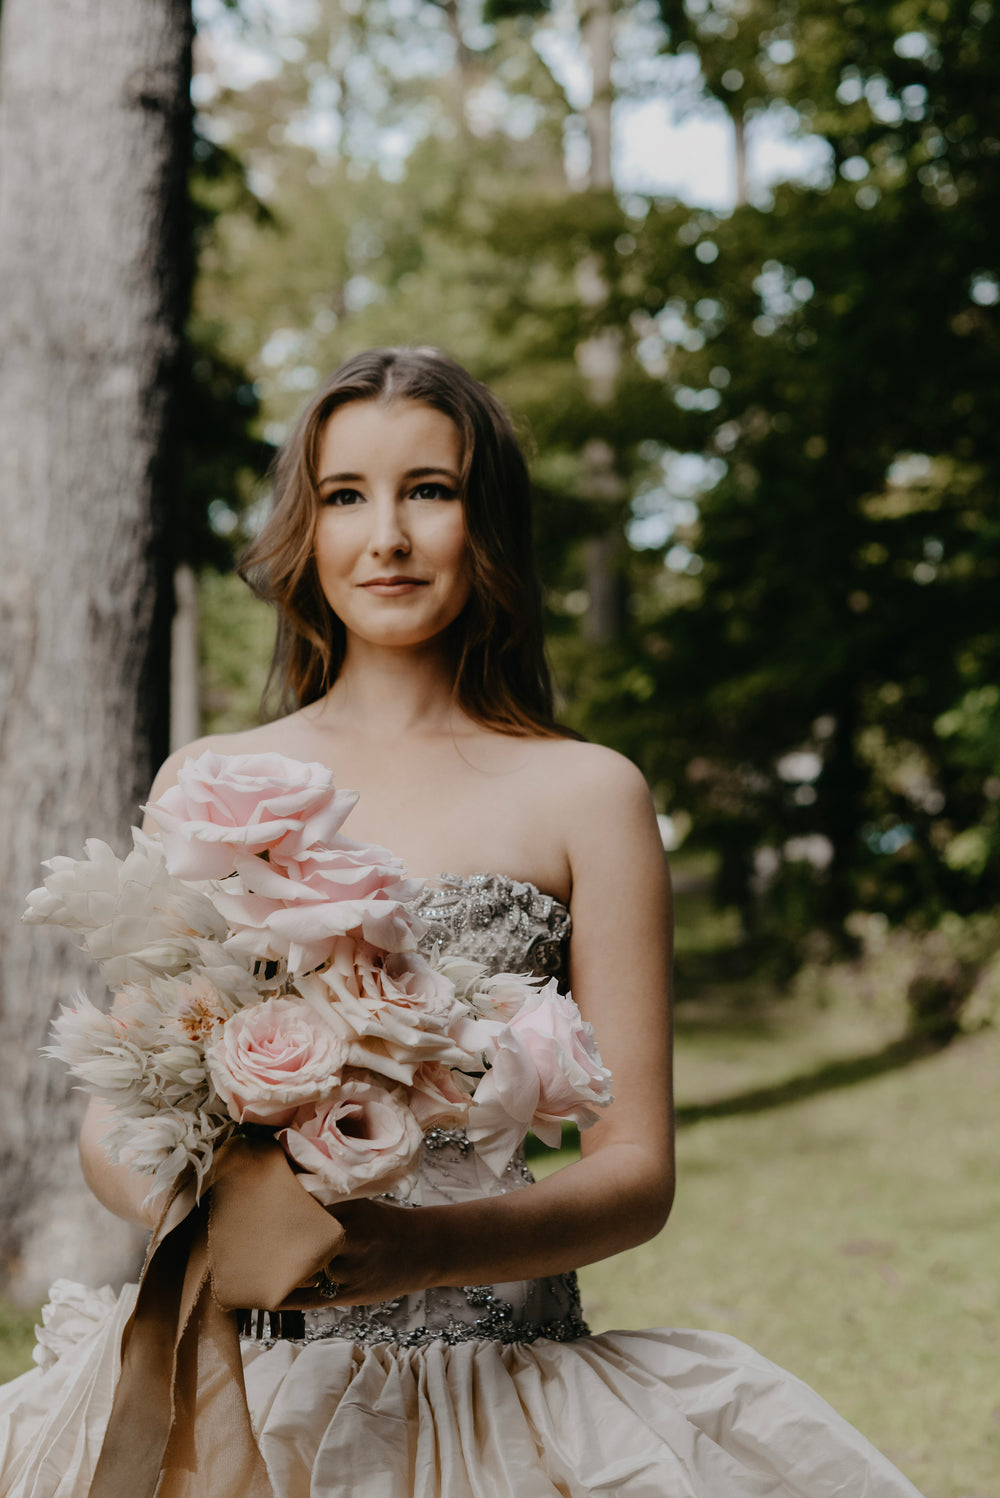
(765, 439)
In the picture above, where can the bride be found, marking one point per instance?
(445, 1354)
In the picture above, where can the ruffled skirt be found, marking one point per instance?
(653, 1414)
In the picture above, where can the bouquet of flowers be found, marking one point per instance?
(268, 984)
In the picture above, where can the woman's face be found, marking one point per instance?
(390, 542)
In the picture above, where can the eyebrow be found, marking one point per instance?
(411, 473)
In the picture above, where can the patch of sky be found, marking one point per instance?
(883, 104)
(668, 500)
(689, 399)
(800, 766)
(222, 518)
(781, 51)
(781, 291)
(361, 292)
(914, 101)
(915, 46)
(284, 344)
(490, 108)
(299, 377)
(984, 288)
(854, 169)
(851, 88)
(889, 840)
(318, 129)
(670, 138)
(909, 469)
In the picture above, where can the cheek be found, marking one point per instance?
(453, 547)
(327, 545)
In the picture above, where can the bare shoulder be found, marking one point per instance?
(604, 778)
(602, 814)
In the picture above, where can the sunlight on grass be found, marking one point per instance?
(850, 1237)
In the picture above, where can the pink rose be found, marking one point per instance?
(393, 1011)
(272, 1058)
(297, 910)
(225, 807)
(439, 1097)
(546, 1069)
(359, 1142)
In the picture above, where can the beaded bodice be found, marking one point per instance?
(505, 923)
(509, 926)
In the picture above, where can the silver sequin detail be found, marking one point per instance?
(508, 924)
(439, 1139)
(495, 1321)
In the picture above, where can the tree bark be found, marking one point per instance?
(740, 156)
(597, 29)
(94, 131)
(600, 357)
(185, 697)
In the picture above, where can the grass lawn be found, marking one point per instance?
(838, 1207)
(850, 1235)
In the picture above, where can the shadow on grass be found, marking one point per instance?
(826, 1078)
(832, 1075)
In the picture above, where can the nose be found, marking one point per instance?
(389, 534)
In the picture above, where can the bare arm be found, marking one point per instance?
(621, 1191)
(122, 1191)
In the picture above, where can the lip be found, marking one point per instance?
(391, 581)
(392, 587)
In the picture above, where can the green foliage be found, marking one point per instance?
(800, 447)
(943, 980)
(834, 353)
(237, 637)
(503, 10)
(17, 1340)
(217, 403)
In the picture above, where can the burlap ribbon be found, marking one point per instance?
(179, 1425)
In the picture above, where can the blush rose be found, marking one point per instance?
(226, 807)
(393, 1011)
(360, 1141)
(545, 1070)
(269, 1060)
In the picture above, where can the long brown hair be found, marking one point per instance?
(501, 676)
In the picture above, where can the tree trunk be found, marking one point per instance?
(185, 704)
(740, 156)
(464, 70)
(600, 357)
(597, 28)
(94, 129)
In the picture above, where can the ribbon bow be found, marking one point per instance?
(179, 1423)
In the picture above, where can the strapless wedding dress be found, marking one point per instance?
(478, 1391)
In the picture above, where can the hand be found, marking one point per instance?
(384, 1255)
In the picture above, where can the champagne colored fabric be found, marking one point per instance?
(656, 1414)
(469, 1411)
(179, 1423)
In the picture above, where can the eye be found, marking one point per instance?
(433, 491)
(342, 497)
